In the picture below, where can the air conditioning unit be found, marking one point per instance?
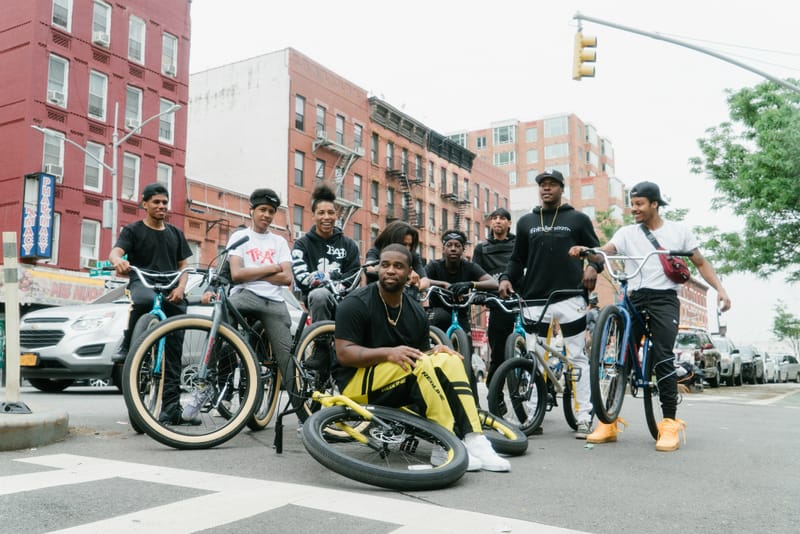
(101, 39)
(131, 124)
(321, 133)
(375, 210)
(298, 234)
(56, 97)
(169, 70)
(359, 150)
(55, 170)
(88, 263)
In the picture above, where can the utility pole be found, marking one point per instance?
(578, 16)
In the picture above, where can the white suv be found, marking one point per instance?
(729, 360)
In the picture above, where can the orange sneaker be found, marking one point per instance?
(669, 434)
(605, 432)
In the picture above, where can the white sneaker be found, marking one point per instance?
(439, 456)
(480, 448)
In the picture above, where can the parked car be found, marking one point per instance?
(730, 363)
(65, 344)
(752, 364)
(771, 367)
(788, 368)
(694, 345)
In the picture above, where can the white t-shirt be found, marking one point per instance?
(632, 241)
(259, 250)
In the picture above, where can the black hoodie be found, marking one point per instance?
(338, 256)
(540, 262)
(493, 254)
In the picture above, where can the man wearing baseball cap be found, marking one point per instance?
(259, 267)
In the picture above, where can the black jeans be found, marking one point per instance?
(501, 324)
(663, 310)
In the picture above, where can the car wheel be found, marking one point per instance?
(51, 385)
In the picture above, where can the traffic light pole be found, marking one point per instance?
(580, 17)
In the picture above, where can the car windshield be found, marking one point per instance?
(686, 341)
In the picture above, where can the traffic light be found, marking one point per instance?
(585, 54)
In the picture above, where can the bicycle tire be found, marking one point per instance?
(568, 401)
(232, 363)
(303, 385)
(506, 438)
(607, 377)
(399, 459)
(650, 396)
(459, 341)
(438, 337)
(143, 324)
(270, 380)
(518, 394)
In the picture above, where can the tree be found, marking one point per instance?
(786, 327)
(754, 161)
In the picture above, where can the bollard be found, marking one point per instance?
(12, 403)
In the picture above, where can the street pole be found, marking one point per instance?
(578, 16)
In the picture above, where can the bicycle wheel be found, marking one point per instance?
(568, 400)
(438, 337)
(459, 341)
(518, 394)
(607, 374)
(650, 396)
(316, 337)
(270, 379)
(395, 455)
(156, 398)
(144, 323)
(505, 437)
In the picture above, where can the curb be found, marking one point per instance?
(24, 431)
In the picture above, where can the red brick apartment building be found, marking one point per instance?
(283, 121)
(67, 64)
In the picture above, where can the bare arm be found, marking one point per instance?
(710, 275)
(351, 354)
(120, 265)
(279, 274)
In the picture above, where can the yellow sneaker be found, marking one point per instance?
(606, 433)
(669, 435)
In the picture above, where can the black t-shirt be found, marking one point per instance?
(361, 318)
(153, 250)
(467, 271)
(416, 264)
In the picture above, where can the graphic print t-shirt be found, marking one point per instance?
(260, 250)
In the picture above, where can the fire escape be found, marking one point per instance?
(409, 207)
(346, 201)
(461, 205)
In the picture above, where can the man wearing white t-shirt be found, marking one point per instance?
(653, 291)
(259, 267)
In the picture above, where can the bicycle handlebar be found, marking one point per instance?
(640, 260)
(170, 280)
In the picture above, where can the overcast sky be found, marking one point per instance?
(457, 65)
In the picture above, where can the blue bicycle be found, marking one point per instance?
(615, 357)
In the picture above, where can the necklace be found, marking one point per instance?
(552, 223)
(392, 322)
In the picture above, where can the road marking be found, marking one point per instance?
(236, 498)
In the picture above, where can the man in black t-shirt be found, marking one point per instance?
(382, 336)
(153, 244)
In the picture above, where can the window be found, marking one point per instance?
(563, 169)
(420, 213)
(390, 201)
(589, 211)
(445, 225)
(468, 230)
(486, 199)
(560, 150)
(418, 167)
(404, 161)
(505, 158)
(299, 163)
(592, 159)
(431, 178)
(390, 155)
(481, 141)
(166, 123)
(531, 176)
(101, 22)
(587, 192)
(90, 240)
(496, 200)
(590, 135)
(531, 135)
(614, 188)
(358, 232)
(358, 136)
(133, 107)
(358, 192)
(478, 236)
(300, 112)
(374, 149)
(512, 178)
(459, 139)
(297, 220)
(319, 169)
(340, 129)
(130, 177)
(475, 196)
(503, 135)
(373, 195)
(58, 81)
(136, 33)
(431, 253)
(62, 14)
(455, 184)
(321, 121)
(432, 216)
(92, 169)
(98, 86)
(532, 156)
(443, 180)
(556, 126)
(164, 177)
(53, 153)
(169, 54)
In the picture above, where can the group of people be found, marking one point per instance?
(383, 353)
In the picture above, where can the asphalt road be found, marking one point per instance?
(737, 472)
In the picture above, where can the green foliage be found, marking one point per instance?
(754, 161)
(786, 327)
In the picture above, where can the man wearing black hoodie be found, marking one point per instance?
(540, 264)
(493, 255)
(324, 253)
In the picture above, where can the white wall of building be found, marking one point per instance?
(238, 125)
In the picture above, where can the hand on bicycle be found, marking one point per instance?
(506, 289)
(176, 295)
(461, 288)
(404, 356)
(318, 278)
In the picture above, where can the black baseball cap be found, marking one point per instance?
(265, 196)
(500, 212)
(648, 190)
(154, 189)
(554, 174)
